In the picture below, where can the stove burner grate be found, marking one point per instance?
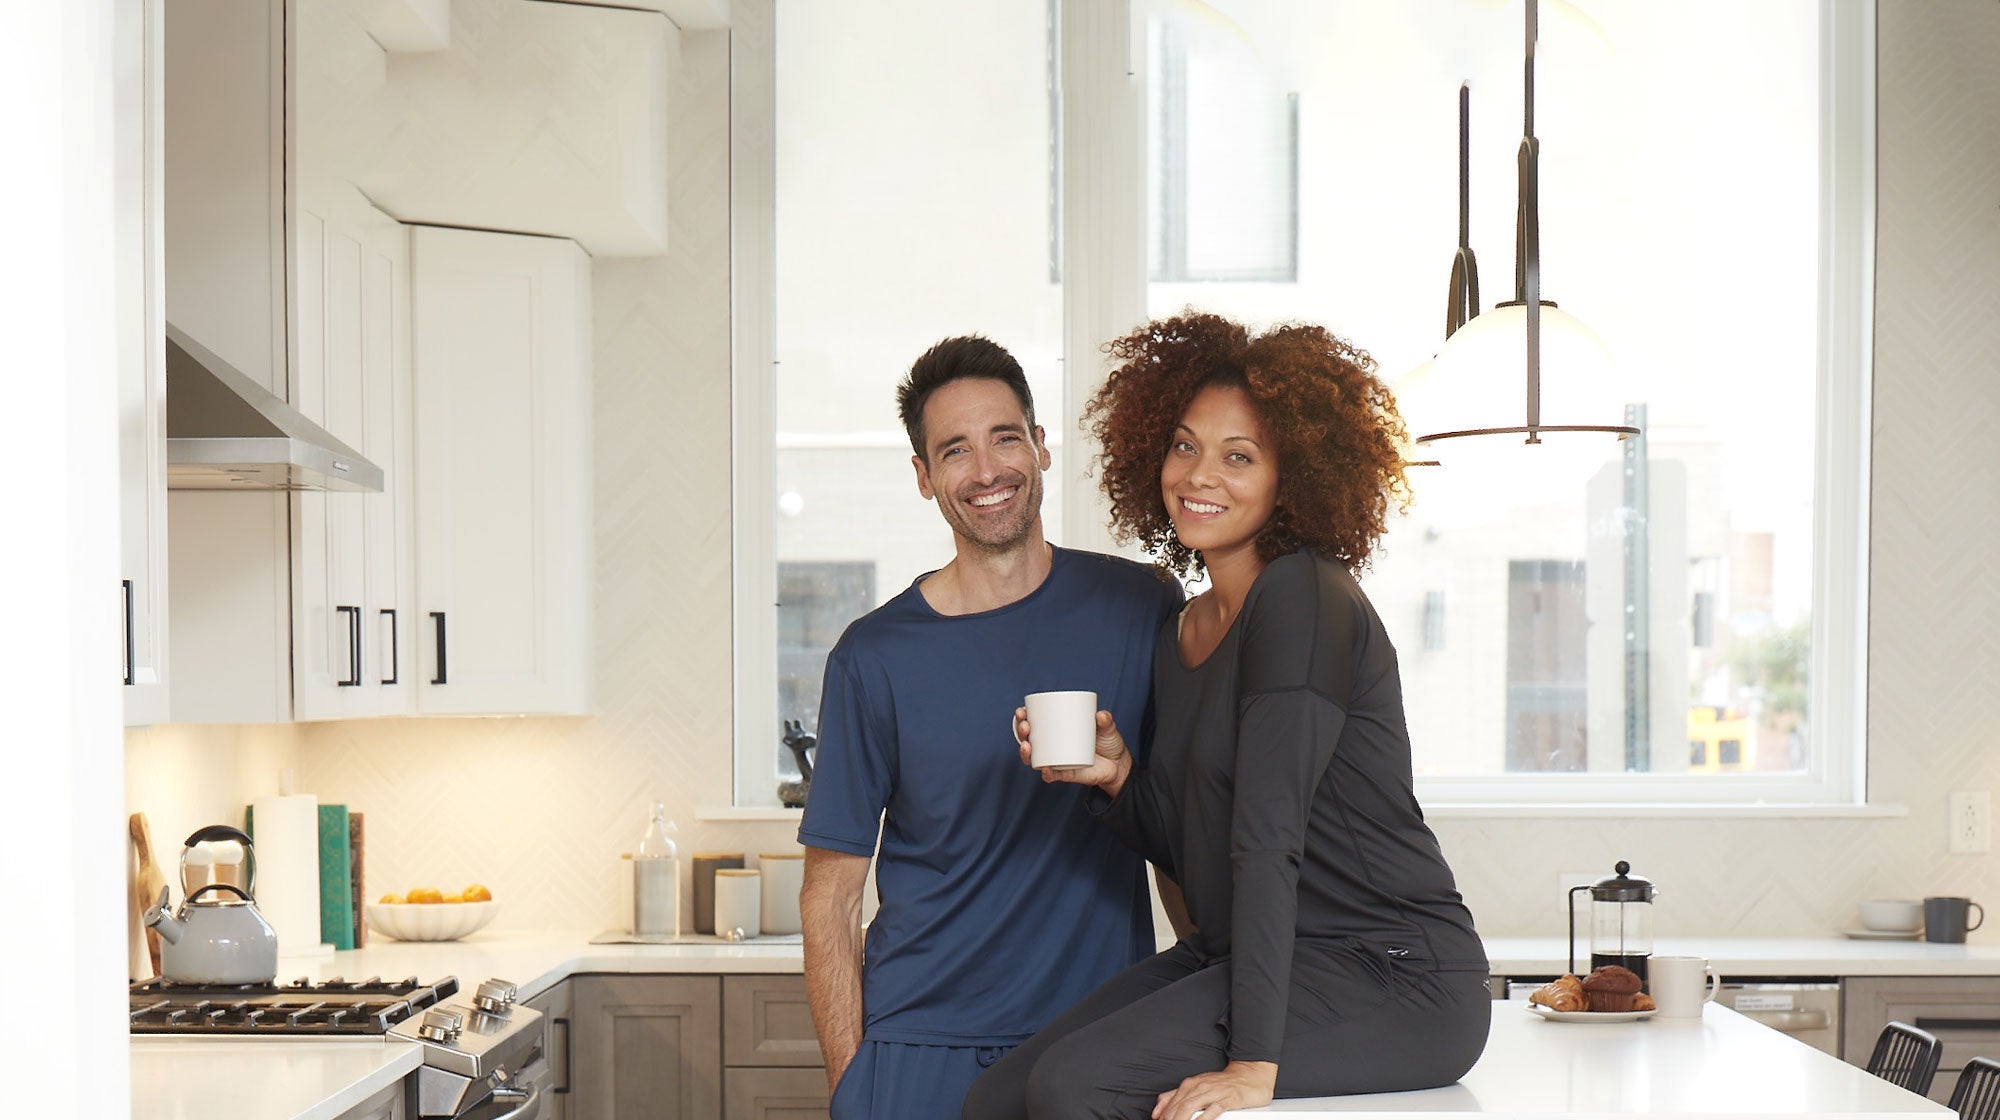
(331, 1007)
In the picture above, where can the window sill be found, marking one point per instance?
(746, 813)
(1664, 810)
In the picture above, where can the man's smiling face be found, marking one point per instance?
(982, 463)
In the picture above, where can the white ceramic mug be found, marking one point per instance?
(1062, 729)
(1680, 985)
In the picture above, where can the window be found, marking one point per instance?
(816, 601)
(1296, 160)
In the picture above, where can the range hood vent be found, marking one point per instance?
(226, 432)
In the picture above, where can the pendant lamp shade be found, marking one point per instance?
(1475, 384)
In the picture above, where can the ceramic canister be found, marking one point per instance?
(706, 864)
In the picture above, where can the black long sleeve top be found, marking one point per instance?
(1279, 795)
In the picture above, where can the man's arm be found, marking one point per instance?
(1174, 904)
(830, 915)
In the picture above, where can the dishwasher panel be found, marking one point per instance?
(1808, 1010)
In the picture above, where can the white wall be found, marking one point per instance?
(663, 469)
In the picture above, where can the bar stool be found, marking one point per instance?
(1977, 1094)
(1906, 1056)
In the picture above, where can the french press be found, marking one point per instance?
(1621, 921)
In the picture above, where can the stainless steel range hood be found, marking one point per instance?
(226, 432)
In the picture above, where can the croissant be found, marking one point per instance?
(1643, 1002)
(1564, 993)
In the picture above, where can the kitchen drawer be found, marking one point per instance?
(774, 1094)
(1962, 1011)
(767, 1022)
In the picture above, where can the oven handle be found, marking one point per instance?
(527, 1105)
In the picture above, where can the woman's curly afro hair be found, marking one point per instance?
(1335, 424)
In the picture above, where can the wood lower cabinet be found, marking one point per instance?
(775, 1094)
(683, 1047)
(1962, 1011)
(558, 1008)
(647, 1047)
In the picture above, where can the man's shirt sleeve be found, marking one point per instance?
(855, 768)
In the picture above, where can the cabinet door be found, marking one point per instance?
(391, 1103)
(388, 614)
(502, 388)
(557, 1006)
(776, 1094)
(141, 660)
(346, 290)
(648, 1047)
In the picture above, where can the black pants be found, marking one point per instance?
(1358, 1021)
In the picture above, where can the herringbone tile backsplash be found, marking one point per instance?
(541, 808)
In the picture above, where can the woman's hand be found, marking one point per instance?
(1107, 770)
(1236, 1085)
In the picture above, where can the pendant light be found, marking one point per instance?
(1467, 391)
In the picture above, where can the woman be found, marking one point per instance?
(1332, 953)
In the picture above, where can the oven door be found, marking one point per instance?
(521, 1101)
(1806, 1010)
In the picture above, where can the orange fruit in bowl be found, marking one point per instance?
(424, 894)
(477, 892)
(454, 898)
(391, 898)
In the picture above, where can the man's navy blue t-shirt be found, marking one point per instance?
(1003, 901)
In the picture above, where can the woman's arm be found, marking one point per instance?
(1296, 675)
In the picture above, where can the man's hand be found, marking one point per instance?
(1236, 1085)
(1107, 771)
(830, 910)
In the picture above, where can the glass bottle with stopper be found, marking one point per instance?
(1621, 921)
(656, 878)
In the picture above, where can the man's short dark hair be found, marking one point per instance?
(955, 359)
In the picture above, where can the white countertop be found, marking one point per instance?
(295, 1079)
(1722, 1065)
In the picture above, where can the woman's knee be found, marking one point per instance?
(999, 1093)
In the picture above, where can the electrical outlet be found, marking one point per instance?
(1971, 822)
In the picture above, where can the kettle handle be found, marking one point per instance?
(223, 832)
(217, 832)
(232, 888)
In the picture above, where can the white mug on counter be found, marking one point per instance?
(1680, 985)
(783, 874)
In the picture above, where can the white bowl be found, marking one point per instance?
(1892, 915)
(430, 921)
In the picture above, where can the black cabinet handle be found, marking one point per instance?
(566, 1079)
(131, 642)
(395, 648)
(353, 646)
(438, 617)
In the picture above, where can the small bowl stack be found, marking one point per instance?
(430, 921)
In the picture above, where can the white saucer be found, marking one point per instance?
(1555, 1016)
(1882, 934)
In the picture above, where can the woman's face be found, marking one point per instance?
(1220, 478)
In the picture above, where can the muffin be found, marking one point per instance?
(1611, 988)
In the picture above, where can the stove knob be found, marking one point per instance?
(495, 995)
(441, 1026)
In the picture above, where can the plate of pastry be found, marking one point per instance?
(1610, 994)
(1554, 1016)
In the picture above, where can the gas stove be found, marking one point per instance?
(482, 1052)
(329, 1007)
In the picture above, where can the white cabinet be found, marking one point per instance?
(502, 438)
(142, 379)
(352, 578)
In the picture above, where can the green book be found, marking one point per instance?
(336, 878)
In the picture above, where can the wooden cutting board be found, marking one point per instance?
(147, 882)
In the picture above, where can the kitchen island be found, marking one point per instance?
(1722, 1065)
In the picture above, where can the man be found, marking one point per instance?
(1002, 900)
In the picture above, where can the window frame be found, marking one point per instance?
(1103, 265)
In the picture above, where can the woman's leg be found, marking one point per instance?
(1363, 1022)
(1002, 1092)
